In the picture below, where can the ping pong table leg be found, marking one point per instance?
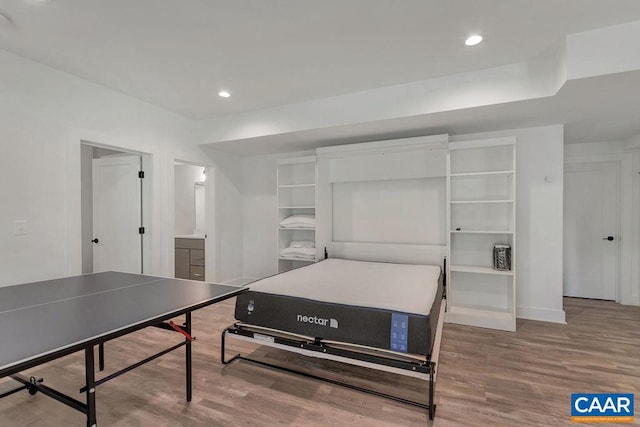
(90, 385)
(101, 356)
(188, 351)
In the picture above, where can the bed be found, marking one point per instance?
(381, 315)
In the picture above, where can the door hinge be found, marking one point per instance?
(140, 230)
(141, 174)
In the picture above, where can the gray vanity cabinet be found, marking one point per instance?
(189, 259)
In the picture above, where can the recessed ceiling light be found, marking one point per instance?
(224, 94)
(473, 40)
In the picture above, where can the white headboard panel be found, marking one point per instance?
(388, 252)
(394, 184)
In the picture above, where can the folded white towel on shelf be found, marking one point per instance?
(299, 221)
(302, 244)
(302, 253)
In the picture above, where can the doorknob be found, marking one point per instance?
(95, 240)
(609, 238)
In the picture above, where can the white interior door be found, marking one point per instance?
(117, 214)
(590, 225)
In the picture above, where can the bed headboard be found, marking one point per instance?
(388, 252)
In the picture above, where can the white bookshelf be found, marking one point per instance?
(296, 195)
(481, 203)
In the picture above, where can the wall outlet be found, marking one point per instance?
(20, 227)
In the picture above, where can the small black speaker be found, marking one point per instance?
(502, 257)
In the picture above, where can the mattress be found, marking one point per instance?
(380, 305)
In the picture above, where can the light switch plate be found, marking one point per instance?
(20, 227)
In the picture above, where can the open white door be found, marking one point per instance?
(590, 225)
(117, 214)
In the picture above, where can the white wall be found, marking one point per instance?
(44, 114)
(628, 160)
(539, 220)
(260, 217)
(601, 51)
(226, 194)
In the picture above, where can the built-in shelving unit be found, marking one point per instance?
(481, 183)
(296, 195)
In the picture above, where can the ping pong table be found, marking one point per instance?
(43, 321)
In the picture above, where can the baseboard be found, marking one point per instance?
(542, 314)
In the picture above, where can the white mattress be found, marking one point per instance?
(406, 288)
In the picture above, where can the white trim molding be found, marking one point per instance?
(541, 314)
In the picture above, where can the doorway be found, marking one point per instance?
(190, 225)
(112, 200)
(591, 230)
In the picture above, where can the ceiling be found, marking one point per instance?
(597, 109)
(179, 54)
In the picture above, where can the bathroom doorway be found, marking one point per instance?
(190, 228)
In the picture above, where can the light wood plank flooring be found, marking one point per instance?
(486, 377)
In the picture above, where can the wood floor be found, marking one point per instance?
(486, 378)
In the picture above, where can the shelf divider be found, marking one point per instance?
(296, 259)
(295, 185)
(297, 228)
(453, 202)
(479, 269)
(487, 173)
(482, 231)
